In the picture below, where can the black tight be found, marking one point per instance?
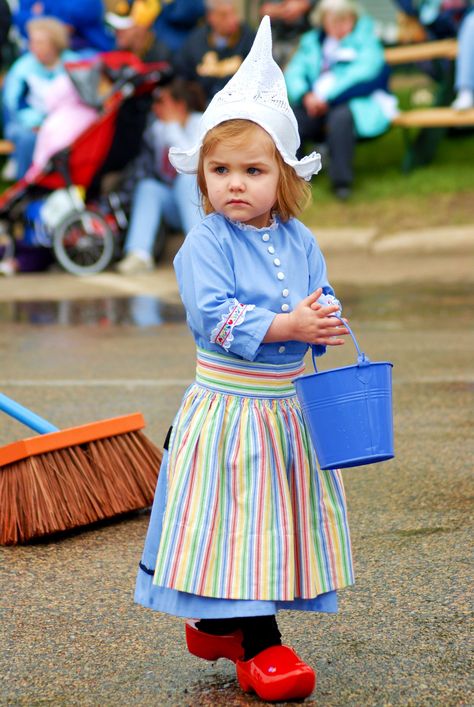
(259, 632)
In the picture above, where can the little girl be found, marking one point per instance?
(244, 523)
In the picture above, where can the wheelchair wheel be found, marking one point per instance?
(83, 243)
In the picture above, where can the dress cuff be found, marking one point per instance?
(222, 334)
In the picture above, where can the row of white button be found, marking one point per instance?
(281, 276)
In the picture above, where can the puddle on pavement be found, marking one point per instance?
(140, 311)
(410, 306)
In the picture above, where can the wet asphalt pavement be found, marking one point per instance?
(70, 633)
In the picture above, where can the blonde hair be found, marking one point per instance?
(56, 30)
(338, 7)
(293, 192)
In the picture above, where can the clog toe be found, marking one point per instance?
(277, 674)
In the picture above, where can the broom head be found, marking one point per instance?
(74, 477)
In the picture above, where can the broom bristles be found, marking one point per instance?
(75, 486)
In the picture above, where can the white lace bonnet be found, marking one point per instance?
(256, 92)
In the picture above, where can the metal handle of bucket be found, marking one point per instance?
(362, 358)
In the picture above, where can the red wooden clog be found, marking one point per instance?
(276, 674)
(210, 647)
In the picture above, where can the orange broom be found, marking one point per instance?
(73, 477)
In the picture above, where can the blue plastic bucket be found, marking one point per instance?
(349, 412)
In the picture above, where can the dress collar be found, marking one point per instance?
(248, 227)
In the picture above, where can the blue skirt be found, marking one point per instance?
(177, 603)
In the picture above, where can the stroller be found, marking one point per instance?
(56, 209)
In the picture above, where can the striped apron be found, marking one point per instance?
(249, 515)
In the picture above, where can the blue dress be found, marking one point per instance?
(233, 279)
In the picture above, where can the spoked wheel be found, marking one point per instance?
(84, 243)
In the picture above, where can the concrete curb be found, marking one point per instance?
(442, 238)
(432, 240)
(346, 239)
(355, 256)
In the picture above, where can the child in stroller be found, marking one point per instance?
(51, 206)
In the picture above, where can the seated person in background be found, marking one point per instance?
(134, 33)
(337, 83)
(84, 18)
(440, 18)
(133, 28)
(176, 20)
(160, 193)
(27, 83)
(213, 53)
(290, 19)
(67, 117)
(171, 20)
(464, 81)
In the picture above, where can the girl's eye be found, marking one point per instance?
(220, 170)
(253, 170)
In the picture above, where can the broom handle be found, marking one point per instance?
(27, 417)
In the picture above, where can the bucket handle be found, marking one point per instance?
(362, 358)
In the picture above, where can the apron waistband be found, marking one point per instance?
(238, 377)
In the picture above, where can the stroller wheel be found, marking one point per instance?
(83, 243)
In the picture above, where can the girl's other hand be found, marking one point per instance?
(312, 322)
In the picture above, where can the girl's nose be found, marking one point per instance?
(236, 183)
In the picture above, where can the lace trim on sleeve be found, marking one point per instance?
(222, 334)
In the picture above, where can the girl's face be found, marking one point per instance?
(242, 181)
(41, 45)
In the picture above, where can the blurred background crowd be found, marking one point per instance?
(332, 52)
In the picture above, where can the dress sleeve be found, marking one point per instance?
(210, 295)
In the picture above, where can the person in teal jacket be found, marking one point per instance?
(337, 83)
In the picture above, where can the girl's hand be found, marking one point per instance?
(311, 322)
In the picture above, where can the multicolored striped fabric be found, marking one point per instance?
(259, 380)
(249, 515)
